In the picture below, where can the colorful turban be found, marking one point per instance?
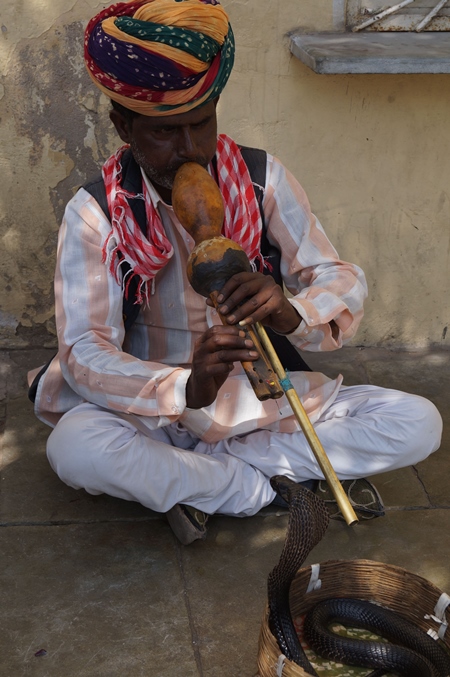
(160, 57)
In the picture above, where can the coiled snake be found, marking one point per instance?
(411, 653)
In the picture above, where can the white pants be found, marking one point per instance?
(368, 430)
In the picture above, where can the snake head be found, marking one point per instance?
(287, 488)
(299, 498)
(283, 486)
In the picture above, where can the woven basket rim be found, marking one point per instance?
(390, 585)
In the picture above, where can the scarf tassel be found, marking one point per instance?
(259, 263)
(110, 256)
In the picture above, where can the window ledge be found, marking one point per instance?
(371, 52)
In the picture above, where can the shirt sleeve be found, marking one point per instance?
(323, 287)
(88, 308)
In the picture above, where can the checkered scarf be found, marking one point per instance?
(147, 254)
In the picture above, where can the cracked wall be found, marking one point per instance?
(52, 141)
(370, 150)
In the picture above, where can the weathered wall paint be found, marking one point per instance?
(372, 152)
(50, 143)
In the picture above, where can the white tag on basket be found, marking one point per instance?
(439, 610)
(439, 617)
(432, 633)
(280, 665)
(314, 582)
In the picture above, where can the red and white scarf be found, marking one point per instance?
(147, 255)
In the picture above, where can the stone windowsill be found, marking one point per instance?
(373, 52)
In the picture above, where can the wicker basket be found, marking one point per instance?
(405, 593)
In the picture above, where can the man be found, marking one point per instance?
(161, 412)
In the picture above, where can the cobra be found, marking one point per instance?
(410, 651)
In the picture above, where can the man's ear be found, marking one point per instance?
(121, 125)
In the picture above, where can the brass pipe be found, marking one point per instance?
(308, 430)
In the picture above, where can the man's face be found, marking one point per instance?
(160, 145)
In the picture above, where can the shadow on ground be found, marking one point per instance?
(98, 587)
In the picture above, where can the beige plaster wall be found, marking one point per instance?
(372, 152)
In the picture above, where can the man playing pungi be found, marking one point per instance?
(162, 413)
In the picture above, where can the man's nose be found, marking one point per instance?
(188, 145)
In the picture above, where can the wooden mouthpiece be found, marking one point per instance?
(198, 205)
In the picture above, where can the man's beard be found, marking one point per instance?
(163, 178)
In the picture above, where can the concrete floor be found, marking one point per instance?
(98, 587)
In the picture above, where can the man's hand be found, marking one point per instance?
(254, 297)
(214, 355)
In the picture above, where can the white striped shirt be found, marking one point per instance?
(145, 372)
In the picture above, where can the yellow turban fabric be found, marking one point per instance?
(160, 57)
